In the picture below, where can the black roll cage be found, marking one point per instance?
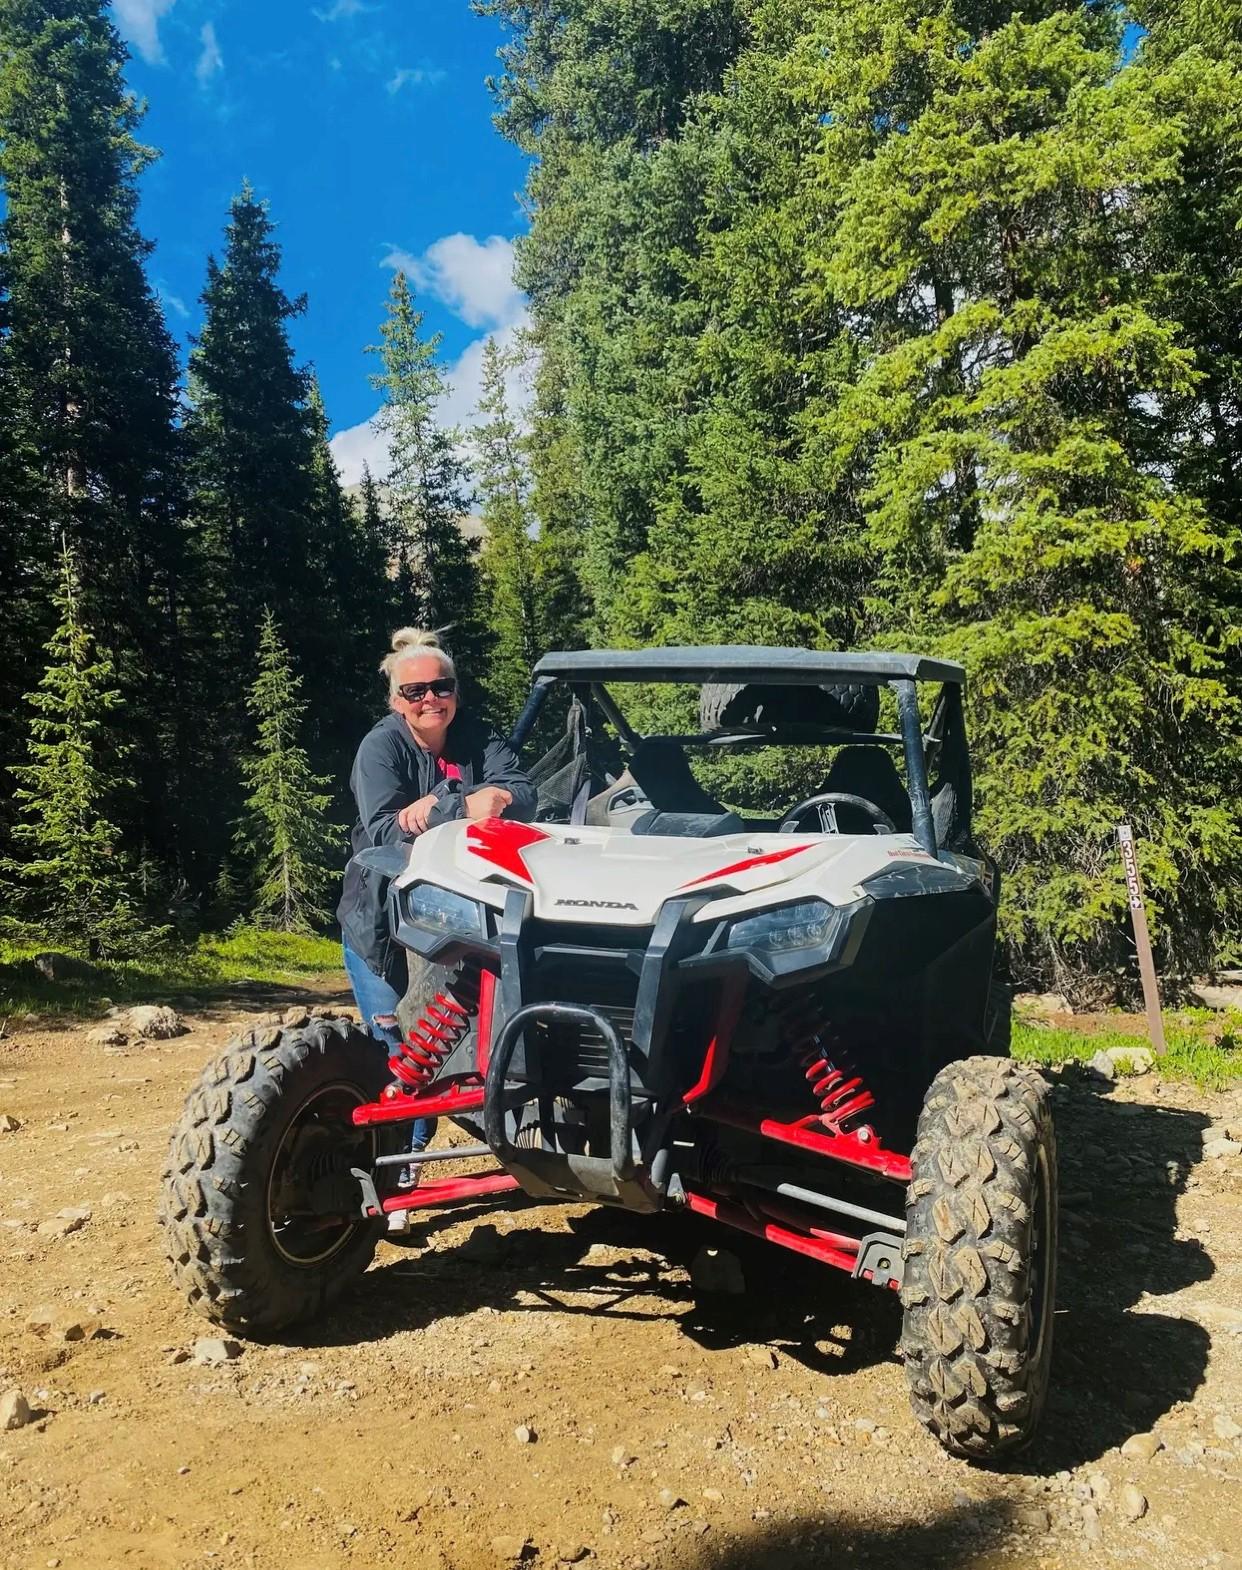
(942, 744)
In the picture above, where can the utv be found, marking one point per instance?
(789, 1024)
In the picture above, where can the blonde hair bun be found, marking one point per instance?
(409, 641)
(406, 638)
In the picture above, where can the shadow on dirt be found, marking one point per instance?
(1123, 1166)
(966, 1538)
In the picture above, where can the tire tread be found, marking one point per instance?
(969, 1369)
(209, 1186)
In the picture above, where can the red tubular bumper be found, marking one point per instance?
(809, 1134)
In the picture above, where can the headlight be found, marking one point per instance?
(443, 910)
(801, 926)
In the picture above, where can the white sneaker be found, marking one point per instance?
(398, 1220)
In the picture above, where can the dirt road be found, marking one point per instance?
(554, 1383)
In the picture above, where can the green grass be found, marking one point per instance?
(167, 973)
(1203, 1047)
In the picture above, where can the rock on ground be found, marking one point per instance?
(211, 1351)
(1042, 1003)
(155, 1022)
(1132, 1060)
(14, 1411)
(1141, 1447)
(1221, 998)
(60, 1226)
(107, 1036)
(509, 1546)
(54, 966)
(55, 1324)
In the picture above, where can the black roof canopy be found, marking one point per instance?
(744, 663)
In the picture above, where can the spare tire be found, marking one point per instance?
(848, 704)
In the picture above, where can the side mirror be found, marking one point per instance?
(390, 861)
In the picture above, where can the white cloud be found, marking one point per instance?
(174, 302)
(139, 22)
(210, 60)
(414, 76)
(345, 8)
(365, 444)
(473, 278)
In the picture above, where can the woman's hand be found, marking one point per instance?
(413, 819)
(488, 802)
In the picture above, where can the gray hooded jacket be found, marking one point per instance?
(390, 771)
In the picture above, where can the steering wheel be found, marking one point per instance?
(790, 823)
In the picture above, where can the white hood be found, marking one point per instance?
(610, 877)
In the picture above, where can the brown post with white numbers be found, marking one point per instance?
(1142, 938)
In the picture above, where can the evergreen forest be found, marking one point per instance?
(855, 323)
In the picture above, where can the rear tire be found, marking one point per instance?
(267, 1122)
(980, 1257)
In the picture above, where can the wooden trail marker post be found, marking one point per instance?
(1142, 938)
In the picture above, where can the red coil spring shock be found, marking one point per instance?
(840, 1090)
(442, 1027)
(835, 1082)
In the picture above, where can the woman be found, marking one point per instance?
(424, 764)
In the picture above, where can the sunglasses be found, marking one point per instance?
(416, 691)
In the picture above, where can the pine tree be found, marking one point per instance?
(998, 438)
(79, 882)
(877, 321)
(250, 437)
(1190, 65)
(507, 562)
(278, 533)
(355, 617)
(89, 379)
(428, 494)
(293, 847)
(600, 93)
(374, 531)
(22, 571)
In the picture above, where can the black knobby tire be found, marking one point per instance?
(230, 1251)
(980, 1257)
(848, 704)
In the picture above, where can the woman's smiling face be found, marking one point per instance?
(430, 717)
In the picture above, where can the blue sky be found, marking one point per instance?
(367, 127)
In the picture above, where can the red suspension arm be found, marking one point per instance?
(809, 1134)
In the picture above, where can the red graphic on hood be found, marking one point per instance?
(501, 842)
(745, 866)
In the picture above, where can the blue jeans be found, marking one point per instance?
(375, 998)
